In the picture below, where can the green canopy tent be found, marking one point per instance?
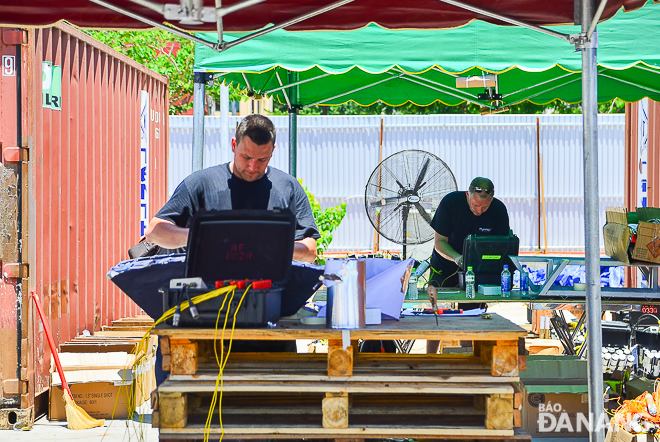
(301, 69)
(396, 67)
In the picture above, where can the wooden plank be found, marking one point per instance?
(377, 432)
(164, 343)
(505, 359)
(183, 357)
(335, 410)
(499, 412)
(340, 361)
(173, 410)
(167, 363)
(123, 334)
(436, 378)
(468, 328)
(68, 347)
(339, 387)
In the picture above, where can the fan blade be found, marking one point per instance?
(422, 174)
(423, 212)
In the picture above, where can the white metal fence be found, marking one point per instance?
(337, 154)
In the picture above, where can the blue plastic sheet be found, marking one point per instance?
(142, 278)
(609, 276)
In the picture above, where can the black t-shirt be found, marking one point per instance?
(455, 220)
(216, 188)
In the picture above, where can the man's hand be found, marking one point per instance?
(166, 234)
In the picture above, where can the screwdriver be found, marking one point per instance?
(433, 297)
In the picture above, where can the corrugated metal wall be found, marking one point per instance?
(337, 154)
(85, 181)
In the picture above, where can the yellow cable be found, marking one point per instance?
(222, 362)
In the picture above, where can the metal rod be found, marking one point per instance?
(151, 5)
(19, 215)
(293, 21)
(538, 179)
(630, 84)
(435, 68)
(441, 88)
(293, 141)
(440, 85)
(225, 144)
(545, 91)
(247, 82)
(593, 311)
(281, 88)
(155, 24)
(218, 17)
(644, 68)
(351, 91)
(199, 100)
(541, 84)
(503, 18)
(286, 97)
(596, 18)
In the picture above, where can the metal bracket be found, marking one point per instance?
(15, 270)
(582, 42)
(202, 77)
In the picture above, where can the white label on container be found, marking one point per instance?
(8, 66)
(144, 162)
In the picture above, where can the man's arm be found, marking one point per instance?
(446, 251)
(166, 234)
(305, 250)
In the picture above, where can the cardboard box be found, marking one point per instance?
(616, 234)
(103, 394)
(555, 400)
(101, 383)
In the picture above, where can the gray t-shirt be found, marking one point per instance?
(216, 188)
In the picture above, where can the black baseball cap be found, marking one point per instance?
(480, 184)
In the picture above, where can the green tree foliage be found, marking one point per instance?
(167, 54)
(326, 220)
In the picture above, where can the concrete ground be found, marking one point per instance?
(113, 431)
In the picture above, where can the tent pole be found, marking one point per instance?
(199, 101)
(293, 141)
(591, 228)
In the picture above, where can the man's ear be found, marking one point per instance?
(233, 144)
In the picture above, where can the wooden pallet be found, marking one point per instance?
(343, 394)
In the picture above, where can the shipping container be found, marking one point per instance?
(84, 136)
(642, 164)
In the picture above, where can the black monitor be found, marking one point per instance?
(487, 255)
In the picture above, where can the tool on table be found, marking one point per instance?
(486, 316)
(433, 297)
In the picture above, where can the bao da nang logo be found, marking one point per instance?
(553, 418)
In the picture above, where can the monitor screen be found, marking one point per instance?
(487, 254)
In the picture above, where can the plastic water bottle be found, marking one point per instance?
(506, 282)
(469, 283)
(524, 282)
(413, 292)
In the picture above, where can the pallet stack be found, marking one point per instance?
(344, 394)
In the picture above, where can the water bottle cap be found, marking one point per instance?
(506, 266)
(524, 266)
(469, 267)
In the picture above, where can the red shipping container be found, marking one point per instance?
(83, 140)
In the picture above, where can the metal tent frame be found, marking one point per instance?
(587, 43)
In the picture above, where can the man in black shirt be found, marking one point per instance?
(461, 214)
(245, 183)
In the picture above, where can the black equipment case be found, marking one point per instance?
(237, 245)
(487, 254)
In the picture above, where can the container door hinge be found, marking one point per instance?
(14, 154)
(14, 270)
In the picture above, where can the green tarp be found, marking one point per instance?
(416, 66)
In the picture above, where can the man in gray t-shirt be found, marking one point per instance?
(245, 183)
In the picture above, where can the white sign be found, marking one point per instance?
(642, 151)
(8, 66)
(144, 162)
(51, 86)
